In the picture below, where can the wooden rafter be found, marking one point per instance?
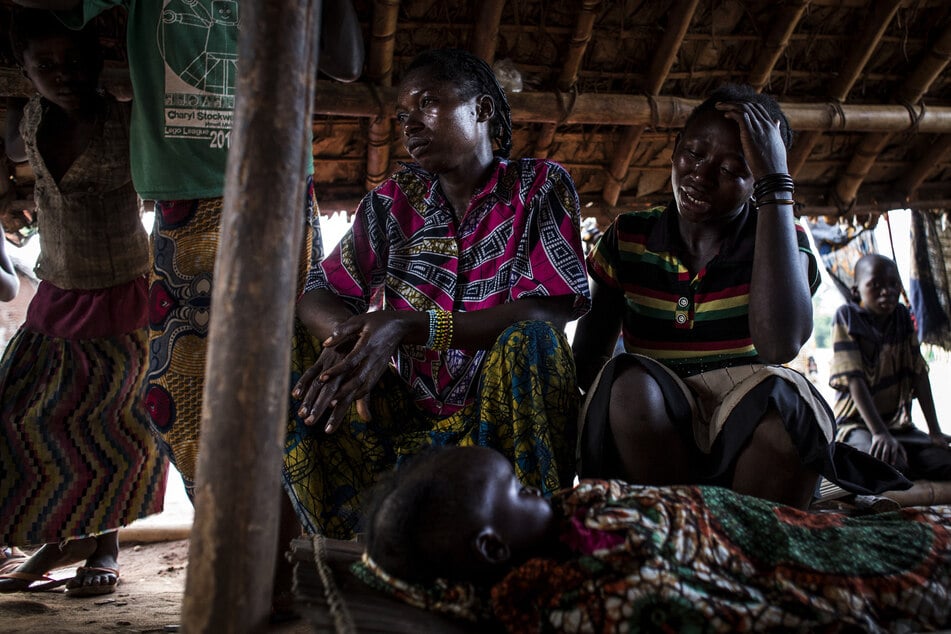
(358, 100)
(569, 70)
(776, 42)
(939, 152)
(681, 14)
(485, 31)
(875, 26)
(380, 72)
(911, 92)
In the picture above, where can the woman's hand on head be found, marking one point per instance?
(351, 363)
(762, 141)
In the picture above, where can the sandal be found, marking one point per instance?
(11, 559)
(48, 583)
(74, 590)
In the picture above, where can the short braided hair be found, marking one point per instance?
(474, 77)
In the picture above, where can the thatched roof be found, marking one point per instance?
(606, 84)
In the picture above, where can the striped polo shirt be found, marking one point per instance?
(886, 354)
(691, 324)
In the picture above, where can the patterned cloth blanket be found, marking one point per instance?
(705, 559)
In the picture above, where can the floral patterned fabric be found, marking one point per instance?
(706, 559)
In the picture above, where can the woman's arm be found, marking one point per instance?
(597, 332)
(780, 302)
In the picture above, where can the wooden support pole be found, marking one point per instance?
(233, 548)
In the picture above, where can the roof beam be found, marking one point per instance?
(875, 26)
(911, 92)
(485, 31)
(569, 71)
(681, 14)
(776, 43)
(360, 100)
(380, 72)
(937, 154)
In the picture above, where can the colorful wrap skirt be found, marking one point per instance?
(525, 405)
(185, 243)
(77, 453)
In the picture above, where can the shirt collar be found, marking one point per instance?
(665, 235)
(434, 196)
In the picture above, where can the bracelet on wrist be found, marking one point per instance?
(440, 329)
(774, 201)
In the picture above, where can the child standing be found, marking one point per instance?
(77, 455)
(877, 370)
(608, 556)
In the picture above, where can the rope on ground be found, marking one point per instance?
(343, 622)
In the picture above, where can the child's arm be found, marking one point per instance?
(884, 446)
(926, 402)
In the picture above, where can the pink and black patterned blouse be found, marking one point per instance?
(520, 237)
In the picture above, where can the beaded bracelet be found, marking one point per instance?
(440, 329)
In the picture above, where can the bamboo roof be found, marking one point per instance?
(603, 86)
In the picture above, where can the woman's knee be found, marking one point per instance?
(770, 467)
(650, 447)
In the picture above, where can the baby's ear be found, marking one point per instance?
(855, 295)
(491, 547)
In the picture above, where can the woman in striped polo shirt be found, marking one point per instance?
(711, 294)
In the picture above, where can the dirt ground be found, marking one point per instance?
(149, 595)
(148, 599)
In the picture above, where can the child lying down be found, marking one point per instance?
(455, 531)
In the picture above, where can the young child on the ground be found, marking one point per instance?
(77, 456)
(878, 370)
(455, 531)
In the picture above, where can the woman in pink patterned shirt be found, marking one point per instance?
(441, 312)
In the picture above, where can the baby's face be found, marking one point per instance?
(879, 286)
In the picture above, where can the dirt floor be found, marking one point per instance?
(149, 595)
(148, 599)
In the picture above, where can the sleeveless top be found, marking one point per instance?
(90, 230)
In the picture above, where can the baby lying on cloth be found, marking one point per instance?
(455, 531)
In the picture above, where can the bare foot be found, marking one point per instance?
(49, 557)
(100, 573)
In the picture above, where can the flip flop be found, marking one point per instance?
(90, 591)
(11, 560)
(48, 582)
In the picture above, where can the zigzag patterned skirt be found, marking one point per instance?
(77, 453)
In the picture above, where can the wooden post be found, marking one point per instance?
(234, 539)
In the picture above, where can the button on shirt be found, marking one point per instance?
(691, 324)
